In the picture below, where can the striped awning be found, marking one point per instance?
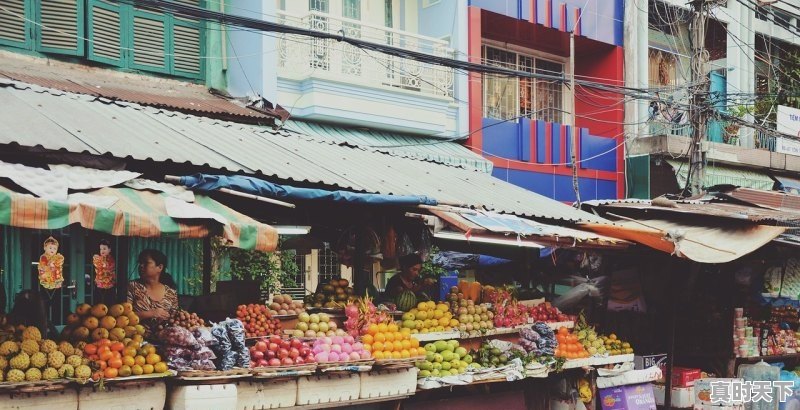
(130, 212)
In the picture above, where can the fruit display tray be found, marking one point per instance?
(33, 387)
(365, 362)
(398, 363)
(169, 373)
(277, 369)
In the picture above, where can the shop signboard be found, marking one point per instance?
(788, 123)
(631, 397)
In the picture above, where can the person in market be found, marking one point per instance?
(408, 279)
(153, 294)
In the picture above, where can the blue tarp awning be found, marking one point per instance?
(255, 186)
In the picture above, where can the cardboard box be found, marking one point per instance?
(633, 397)
(702, 391)
(647, 361)
(682, 397)
(630, 377)
(684, 377)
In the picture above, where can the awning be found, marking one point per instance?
(710, 243)
(52, 120)
(441, 151)
(723, 175)
(488, 227)
(128, 212)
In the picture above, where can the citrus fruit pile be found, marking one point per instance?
(391, 342)
(429, 317)
(109, 359)
(569, 347)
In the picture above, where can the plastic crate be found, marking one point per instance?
(266, 394)
(66, 399)
(142, 396)
(390, 382)
(328, 388)
(199, 397)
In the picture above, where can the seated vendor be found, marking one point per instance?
(407, 278)
(153, 295)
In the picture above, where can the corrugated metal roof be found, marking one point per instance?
(695, 208)
(146, 90)
(34, 116)
(722, 175)
(430, 149)
(766, 199)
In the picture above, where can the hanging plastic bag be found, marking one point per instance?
(404, 245)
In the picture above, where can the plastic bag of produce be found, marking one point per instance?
(203, 365)
(178, 336)
(204, 336)
(226, 358)
(204, 353)
(236, 334)
(175, 352)
(179, 363)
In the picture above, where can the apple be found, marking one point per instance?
(299, 360)
(274, 362)
(287, 361)
(257, 355)
(283, 353)
(270, 354)
(273, 347)
(284, 344)
(275, 339)
(261, 346)
(263, 363)
(296, 343)
(294, 353)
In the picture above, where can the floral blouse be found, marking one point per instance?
(141, 301)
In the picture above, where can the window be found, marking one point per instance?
(329, 266)
(117, 34)
(663, 68)
(510, 97)
(351, 9)
(321, 6)
(388, 14)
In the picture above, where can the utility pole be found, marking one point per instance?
(573, 130)
(698, 109)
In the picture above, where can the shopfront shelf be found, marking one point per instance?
(773, 358)
(598, 361)
(454, 334)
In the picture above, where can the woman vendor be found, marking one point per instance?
(408, 278)
(153, 295)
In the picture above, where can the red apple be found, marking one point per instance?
(283, 353)
(273, 347)
(304, 351)
(257, 355)
(263, 363)
(294, 353)
(275, 339)
(284, 344)
(274, 362)
(270, 354)
(296, 343)
(299, 360)
(261, 346)
(287, 361)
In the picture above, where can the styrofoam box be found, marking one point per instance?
(212, 397)
(682, 397)
(143, 396)
(391, 382)
(328, 388)
(258, 395)
(66, 399)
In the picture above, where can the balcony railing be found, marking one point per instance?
(761, 139)
(305, 56)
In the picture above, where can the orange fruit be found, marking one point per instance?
(368, 348)
(90, 349)
(139, 360)
(117, 346)
(392, 327)
(110, 372)
(406, 344)
(98, 375)
(115, 363)
(106, 355)
(398, 346)
(414, 342)
(377, 347)
(102, 364)
(405, 354)
(153, 358)
(148, 368)
(150, 349)
(125, 371)
(388, 347)
(380, 337)
(160, 367)
(367, 339)
(128, 361)
(396, 355)
(372, 329)
(377, 355)
(129, 351)
(383, 327)
(136, 370)
(389, 336)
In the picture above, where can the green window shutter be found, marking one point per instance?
(61, 27)
(105, 32)
(150, 49)
(14, 29)
(187, 49)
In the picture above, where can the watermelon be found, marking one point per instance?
(406, 301)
